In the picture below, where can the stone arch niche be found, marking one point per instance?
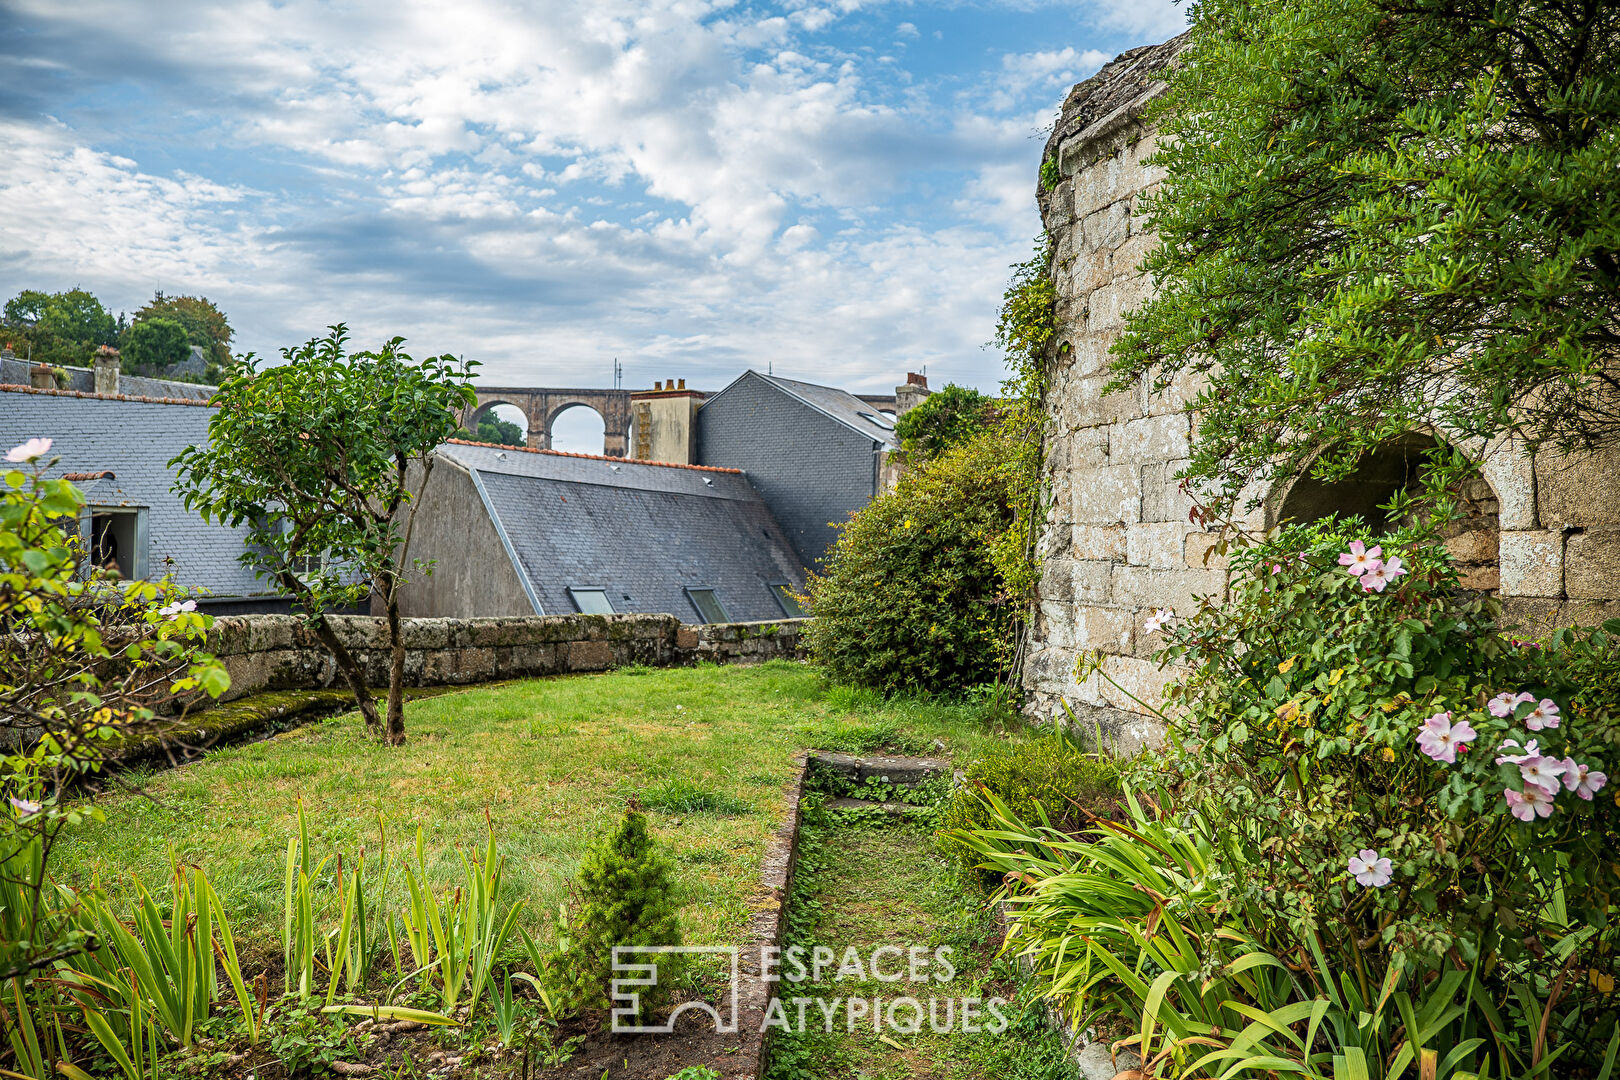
(1396, 466)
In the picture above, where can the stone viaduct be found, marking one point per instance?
(541, 405)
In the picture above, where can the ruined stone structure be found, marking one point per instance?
(1119, 542)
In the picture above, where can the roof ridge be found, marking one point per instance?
(596, 457)
(14, 388)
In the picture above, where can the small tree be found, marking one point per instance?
(86, 663)
(155, 344)
(205, 325)
(324, 458)
(627, 896)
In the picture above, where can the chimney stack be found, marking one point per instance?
(910, 395)
(41, 377)
(107, 361)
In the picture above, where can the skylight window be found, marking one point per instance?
(591, 601)
(882, 420)
(707, 605)
(790, 603)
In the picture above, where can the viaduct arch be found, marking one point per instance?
(541, 405)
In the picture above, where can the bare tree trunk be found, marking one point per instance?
(394, 734)
(353, 674)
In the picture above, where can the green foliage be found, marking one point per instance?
(324, 458)
(153, 344)
(205, 326)
(911, 598)
(626, 896)
(1380, 215)
(58, 328)
(86, 660)
(679, 795)
(1050, 779)
(944, 418)
(1295, 747)
(492, 429)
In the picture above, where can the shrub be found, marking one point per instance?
(626, 896)
(943, 419)
(1049, 777)
(911, 598)
(1346, 816)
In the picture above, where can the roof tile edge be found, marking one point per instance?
(597, 457)
(13, 388)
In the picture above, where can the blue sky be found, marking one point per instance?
(833, 187)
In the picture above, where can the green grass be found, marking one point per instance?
(708, 750)
(866, 885)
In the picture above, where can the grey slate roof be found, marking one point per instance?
(841, 405)
(14, 372)
(135, 440)
(641, 531)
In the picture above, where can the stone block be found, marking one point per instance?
(1592, 566)
(1580, 489)
(1473, 546)
(1105, 309)
(1533, 563)
(425, 633)
(1112, 630)
(589, 656)
(686, 637)
(1512, 475)
(1480, 578)
(1106, 227)
(1163, 498)
(1055, 626)
(1106, 496)
(1098, 542)
(1147, 588)
(1089, 355)
(360, 631)
(514, 661)
(1071, 581)
(1149, 440)
(1158, 543)
(1202, 544)
(1086, 405)
(1087, 272)
(273, 632)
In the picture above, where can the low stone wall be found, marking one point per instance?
(278, 652)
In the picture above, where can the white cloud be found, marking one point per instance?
(676, 182)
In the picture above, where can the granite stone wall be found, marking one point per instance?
(1119, 539)
(278, 652)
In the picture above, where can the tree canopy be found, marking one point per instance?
(1381, 214)
(155, 344)
(58, 328)
(944, 418)
(205, 325)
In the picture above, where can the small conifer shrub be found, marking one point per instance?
(625, 895)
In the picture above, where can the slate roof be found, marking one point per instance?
(15, 371)
(641, 531)
(840, 405)
(130, 442)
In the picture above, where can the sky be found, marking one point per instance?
(830, 189)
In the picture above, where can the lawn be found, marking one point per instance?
(707, 750)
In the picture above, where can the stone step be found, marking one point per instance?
(893, 809)
(900, 771)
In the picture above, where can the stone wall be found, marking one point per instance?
(1120, 540)
(277, 652)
